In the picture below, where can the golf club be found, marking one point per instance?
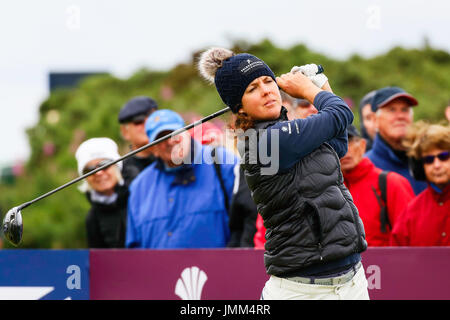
(12, 223)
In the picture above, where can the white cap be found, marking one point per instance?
(96, 148)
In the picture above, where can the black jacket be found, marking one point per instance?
(133, 166)
(309, 214)
(243, 214)
(106, 224)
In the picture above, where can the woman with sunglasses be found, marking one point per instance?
(314, 233)
(426, 220)
(106, 192)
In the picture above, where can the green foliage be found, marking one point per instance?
(69, 116)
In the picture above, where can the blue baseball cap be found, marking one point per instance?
(162, 120)
(140, 107)
(388, 94)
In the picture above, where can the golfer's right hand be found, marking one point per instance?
(298, 86)
(310, 70)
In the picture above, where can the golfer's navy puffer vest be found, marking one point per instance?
(308, 212)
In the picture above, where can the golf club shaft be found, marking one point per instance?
(132, 153)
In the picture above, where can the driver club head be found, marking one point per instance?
(13, 226)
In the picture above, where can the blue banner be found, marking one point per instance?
(44, 275)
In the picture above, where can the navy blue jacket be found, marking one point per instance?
(384, 158)
(328, 125)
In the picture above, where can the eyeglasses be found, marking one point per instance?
(443, 156)
(96, 166)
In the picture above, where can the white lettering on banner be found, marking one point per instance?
(374, 277)
(24, 293)
(190, 285)
(74, 280)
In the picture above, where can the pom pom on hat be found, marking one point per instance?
(211, 60)
(232, 73)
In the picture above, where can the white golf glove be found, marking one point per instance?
(310, 71)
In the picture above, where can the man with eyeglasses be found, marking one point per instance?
(132, 119)
(393, 116)
(426, 220)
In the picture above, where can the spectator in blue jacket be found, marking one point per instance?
(393, 116)
(180, 200)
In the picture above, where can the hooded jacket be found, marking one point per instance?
(184, 207)
(311, 221)
(384, 157)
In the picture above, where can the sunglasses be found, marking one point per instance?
(95, 166)
(443, 156)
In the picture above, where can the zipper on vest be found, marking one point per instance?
(317, 235)
(319, 245)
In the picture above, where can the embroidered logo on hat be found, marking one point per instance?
(249, 66)
(236, 73)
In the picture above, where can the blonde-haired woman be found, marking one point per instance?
(426, 220)
(314, 233)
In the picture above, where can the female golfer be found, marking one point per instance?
(314, 233)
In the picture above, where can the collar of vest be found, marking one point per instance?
(267, 123)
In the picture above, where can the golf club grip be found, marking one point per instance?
(319, 69)
(132, 153)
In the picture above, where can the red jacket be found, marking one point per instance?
(399, 193)
(260, 236)
(426, 220)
